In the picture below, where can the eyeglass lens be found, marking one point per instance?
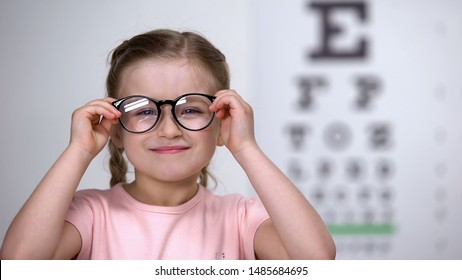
(140, 114)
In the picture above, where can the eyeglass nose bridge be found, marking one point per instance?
(165, 101)
(172, 103)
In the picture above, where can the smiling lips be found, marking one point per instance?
(168, 150)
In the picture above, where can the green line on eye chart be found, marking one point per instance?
(361, 229)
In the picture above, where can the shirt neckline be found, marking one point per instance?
(119, 190)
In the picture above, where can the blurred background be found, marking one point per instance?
(358, 102)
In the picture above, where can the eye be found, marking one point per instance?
(146, 112)
(189, 111)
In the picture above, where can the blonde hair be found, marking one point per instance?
(163, 44)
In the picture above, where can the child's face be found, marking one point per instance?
(167, 152)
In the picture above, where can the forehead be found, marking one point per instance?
(163, 79)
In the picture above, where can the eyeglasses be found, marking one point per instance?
(141, 113)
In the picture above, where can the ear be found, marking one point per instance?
(116, 136)
(220, 141)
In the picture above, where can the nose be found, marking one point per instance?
(167, 127)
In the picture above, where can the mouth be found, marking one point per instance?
(169, 150)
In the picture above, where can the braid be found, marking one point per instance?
(117, 165)
(204, 176)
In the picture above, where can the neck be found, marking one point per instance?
(161, 193)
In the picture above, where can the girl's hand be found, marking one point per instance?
(91, 125)
(237, 123)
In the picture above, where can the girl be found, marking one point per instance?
(169, 106)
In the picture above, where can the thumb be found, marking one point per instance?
(106, 124)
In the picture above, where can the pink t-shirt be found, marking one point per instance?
(113, 225)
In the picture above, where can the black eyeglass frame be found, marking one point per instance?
(159, 104)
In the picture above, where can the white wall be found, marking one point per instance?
(53, 59)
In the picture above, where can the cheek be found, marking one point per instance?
(207, 151)
(208, 139)
(131, 146)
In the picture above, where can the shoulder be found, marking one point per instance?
(90, 204)
(94, 193)
(222, 201)
(94, 197)
(236, 203)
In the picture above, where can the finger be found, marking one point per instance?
(222, 113)
(107, 124)
(219, 96)
(231, 105)
(229, 98)
(96, 111)
(98, 108)
(225, 101)
(105, 103)
(226, 91)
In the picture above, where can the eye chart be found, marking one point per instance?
(360, 104)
